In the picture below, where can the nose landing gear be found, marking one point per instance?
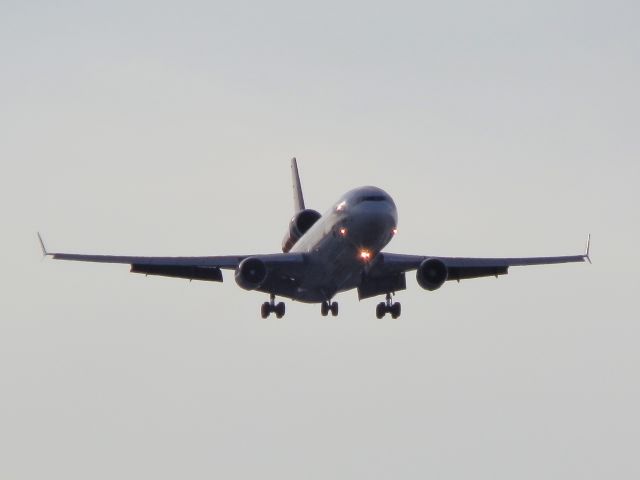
(327, 307)
(271, 307)
(388, 307)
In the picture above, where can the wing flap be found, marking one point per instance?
(465, 273)
(374, 286)
(210, 274)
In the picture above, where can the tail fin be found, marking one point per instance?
(298, 199)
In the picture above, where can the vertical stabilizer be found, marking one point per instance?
(298, 199)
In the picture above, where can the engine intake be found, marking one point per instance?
(251, 273)
(432, 273)
(299, 225)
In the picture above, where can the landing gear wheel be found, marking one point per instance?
(270, 307)
(334, 309)
(324, 309)
(388, 307)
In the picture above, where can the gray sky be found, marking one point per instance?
(500, 128)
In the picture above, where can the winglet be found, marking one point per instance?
(44, 249)
(298, 199)
(586, 252)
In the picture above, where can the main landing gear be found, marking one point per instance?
(327, 307)
(271, 307)
(388, 307)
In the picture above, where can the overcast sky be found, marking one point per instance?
(166, 128)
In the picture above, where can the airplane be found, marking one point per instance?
(323, 255)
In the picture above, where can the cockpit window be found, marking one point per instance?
(372, 198)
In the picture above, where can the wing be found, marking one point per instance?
(388, 266)
(192, 268)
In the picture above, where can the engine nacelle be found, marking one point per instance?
(251, 273)
(432, 273)
(298, 226)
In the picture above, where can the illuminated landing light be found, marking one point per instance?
(365, 255)
(394, 231)
(343, 232)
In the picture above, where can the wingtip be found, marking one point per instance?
(44, 249)
(587, 249)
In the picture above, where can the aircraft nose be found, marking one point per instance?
(373, 225)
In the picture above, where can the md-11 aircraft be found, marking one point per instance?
(323, 255)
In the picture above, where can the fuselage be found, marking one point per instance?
(341, 244)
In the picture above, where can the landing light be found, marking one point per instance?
(343, 232)
(365, 255)
(394, 231)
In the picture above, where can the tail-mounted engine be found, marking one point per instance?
(298, 226)
(251, 273)
(432, 273)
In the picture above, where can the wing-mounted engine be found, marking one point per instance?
(251, 273)
(299, 225)
(431, 274)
